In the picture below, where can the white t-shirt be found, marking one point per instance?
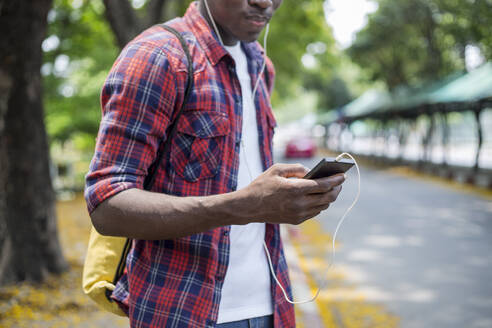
(246, 290)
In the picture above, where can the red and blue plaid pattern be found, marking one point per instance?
(177, 283)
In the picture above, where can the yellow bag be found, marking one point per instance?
(106, 256)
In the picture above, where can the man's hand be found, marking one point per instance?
(275, 198)
(272, 197)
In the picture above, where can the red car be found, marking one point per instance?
(300, 147)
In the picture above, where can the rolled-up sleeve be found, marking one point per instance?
(137, 102)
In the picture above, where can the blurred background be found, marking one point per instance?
(403, 85)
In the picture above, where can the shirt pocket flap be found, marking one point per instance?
(204, 124)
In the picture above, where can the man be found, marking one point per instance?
(197, 258)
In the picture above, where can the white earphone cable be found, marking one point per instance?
(348, 209)
(332, 259)
(323, 284)
(213, 22)
(263, 66)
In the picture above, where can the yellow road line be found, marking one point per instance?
(463, 187)
(341, 304)
(296, 239)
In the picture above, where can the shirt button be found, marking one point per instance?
(219, 278)
(231, 69)
(226, 233)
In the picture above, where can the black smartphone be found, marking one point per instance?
(329, 166)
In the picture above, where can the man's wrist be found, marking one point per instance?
(234, 208)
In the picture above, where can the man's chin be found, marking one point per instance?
(251, 37)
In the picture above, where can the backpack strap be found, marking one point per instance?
(150, 178)
(267, 78)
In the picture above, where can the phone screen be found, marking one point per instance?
(328, 166)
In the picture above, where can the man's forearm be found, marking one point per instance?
(272, 197)
(140, 214)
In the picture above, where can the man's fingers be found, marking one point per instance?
(317, 186)
(290, 170)
(324, 199)
(326, 184)
(312, 213)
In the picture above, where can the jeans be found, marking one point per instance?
(259, 322)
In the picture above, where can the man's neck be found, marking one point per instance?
(227, 38)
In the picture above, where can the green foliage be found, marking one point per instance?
(80, 50)
(467, 22)
(71, 90)
(412, 41)
(335, 95)
(296, 25)
(325, 78)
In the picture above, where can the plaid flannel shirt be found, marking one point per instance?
(177, 283)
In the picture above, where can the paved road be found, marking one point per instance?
(420, 249)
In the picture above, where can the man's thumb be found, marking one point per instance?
(291, 170)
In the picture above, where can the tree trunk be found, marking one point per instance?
(155, 11)
(29, 248)
(427, 140)
(126, 23)
(479, 138)
(402, 139)
(434, 62)
(445, 138)
(123, 20)
(5, 86)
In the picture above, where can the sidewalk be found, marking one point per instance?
(341, 304)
